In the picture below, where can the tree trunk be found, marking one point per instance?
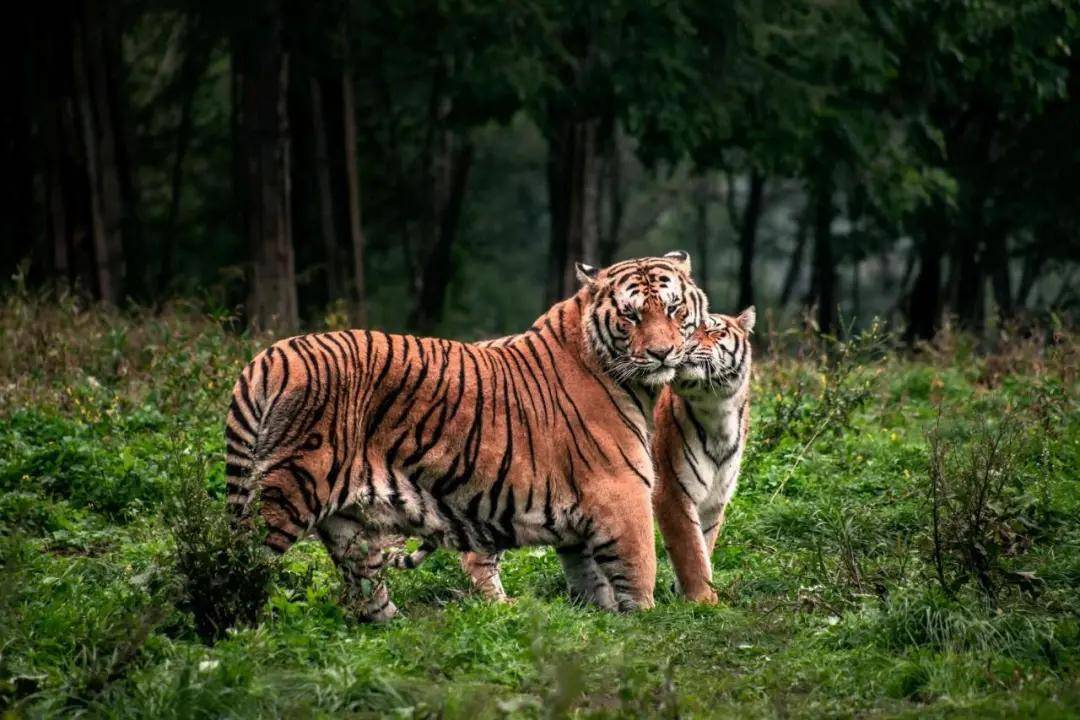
(352, 187)
(824, 270)
(17, 174)
(191, 71)
(856, 300)
(610, 184)
(701, 230)
(748, 228)
(571, 168)
(335, 277)
(99, 144)
(791, 277)
(997, 257)
(970, 280)
(438, 266)
(263, 125)
(924, 307)
(56, 224)
(65, 180)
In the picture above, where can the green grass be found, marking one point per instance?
(830, 605)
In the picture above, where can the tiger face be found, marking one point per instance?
(718, 354)
(641, 314)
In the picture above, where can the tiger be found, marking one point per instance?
(700, 429)
(541, 440)
(701, 425)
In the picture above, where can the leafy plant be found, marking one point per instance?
(224, 567)
(843, 373)
(981, 509)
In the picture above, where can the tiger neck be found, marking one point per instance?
(563, 324)
(713, 409)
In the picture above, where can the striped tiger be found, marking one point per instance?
(701, 423)
(700, 429)
(538, 440)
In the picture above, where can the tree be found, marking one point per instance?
(357, 241)
(976, 82)
(653, 71)
(430, 75)
(747, 225)
(261, 77)
(74, 84)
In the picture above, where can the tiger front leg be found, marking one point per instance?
(624, 551)
(361, 559)
(688, 550)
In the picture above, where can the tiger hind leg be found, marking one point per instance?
(483, 572)
(361, 559)
(584, 578)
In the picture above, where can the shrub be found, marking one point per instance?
(838, 370)
(42, 452)
(224, 568)
(981, 507)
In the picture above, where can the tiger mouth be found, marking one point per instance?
(691, 370)
(660, 376)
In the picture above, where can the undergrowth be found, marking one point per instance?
(904, 543)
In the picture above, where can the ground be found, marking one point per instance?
(833, 600)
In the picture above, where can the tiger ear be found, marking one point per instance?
(747, 318)
(586, 274)
(680, 258)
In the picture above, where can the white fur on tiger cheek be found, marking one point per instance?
(692, 372)
(659, 377)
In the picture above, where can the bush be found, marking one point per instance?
(816, 395)
(840, 370)
(981, 507)
(224, 568)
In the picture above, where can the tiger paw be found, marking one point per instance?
(704, 596)
(364, 613)
(384, 614)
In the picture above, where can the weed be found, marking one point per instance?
(224, 568)
(820, 397)
(981, 507)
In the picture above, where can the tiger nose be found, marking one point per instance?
(661, 354)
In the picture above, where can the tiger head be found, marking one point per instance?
(640, 314)
(718, 354)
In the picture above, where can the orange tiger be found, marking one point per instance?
(701, 424)
(542, 440)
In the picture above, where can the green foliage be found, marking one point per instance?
(987, 505)
(62, 459)
(223, 567)
(816, 396)
(830, 599)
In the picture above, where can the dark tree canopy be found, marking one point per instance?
(440, 167)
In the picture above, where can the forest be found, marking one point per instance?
(887, 181)
(438, 167)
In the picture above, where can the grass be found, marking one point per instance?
(831, 604)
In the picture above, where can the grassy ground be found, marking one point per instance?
(834, 599)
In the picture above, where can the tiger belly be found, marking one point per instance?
(463, 521)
